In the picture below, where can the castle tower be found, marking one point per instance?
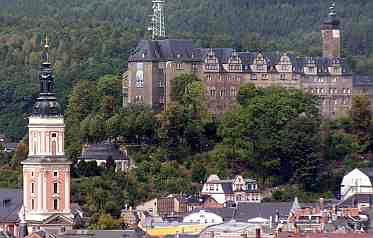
(46, 172)
(331, 35)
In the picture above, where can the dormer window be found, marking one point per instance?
(260, 67)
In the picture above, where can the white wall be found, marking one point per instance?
(355, 182)
(203, 217)
(215, 191)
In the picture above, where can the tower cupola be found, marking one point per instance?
(46, 104)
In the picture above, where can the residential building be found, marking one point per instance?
(11, 201)
(357, 181)
(155, 63)
(231, 190)
(151, 207)
(104, 151)
(172, 206)
(203, 217)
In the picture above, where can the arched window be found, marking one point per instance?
(54, 148)
(34, 147)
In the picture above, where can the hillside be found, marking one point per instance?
(91, 38)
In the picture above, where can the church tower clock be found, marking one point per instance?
(46, 172)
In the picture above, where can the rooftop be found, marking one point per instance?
(10, 202)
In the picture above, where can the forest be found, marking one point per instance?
(91, 38)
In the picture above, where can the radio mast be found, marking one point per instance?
(157, 20)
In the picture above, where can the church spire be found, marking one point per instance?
(46, 104)
(331, 21)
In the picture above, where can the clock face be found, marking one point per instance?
(336, 34)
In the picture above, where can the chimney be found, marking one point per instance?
(322, 203)
(257, 233)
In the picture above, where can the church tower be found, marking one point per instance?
(331, 35)
(46, 172)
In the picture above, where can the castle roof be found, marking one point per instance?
(184, 51)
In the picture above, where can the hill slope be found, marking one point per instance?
(90, 38)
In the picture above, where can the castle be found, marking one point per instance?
(155, 63)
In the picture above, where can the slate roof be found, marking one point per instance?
(102, 151)
(362, 81)
(227, 213)
(183, 50)
(10, 203)
(164, 50)
(103, 234)
(246, 210)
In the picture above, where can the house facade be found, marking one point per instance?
(203, 217)
(155, 63)
(231, 190)
(357, 181)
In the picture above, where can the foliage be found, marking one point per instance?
(274, 132)
(106, 222)
(90, 39)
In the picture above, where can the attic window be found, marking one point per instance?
(6, 202)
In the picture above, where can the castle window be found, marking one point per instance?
(161, 99)
(32, 187)
(195, 67)
(282, 76)
(32, 204)
(55, 204)
(179, 66)
(139, 99)
(55, 173)
(233, 92)
(55, 187)
(208, 77)
(221, 92)
(211, 66)
(54, 135)
(253, 76)
(212, 92)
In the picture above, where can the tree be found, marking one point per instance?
(106, 222)
(361, 116)
(270, 133)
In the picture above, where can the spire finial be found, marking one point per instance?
(46, 47)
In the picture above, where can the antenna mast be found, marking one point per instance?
(158, 20)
